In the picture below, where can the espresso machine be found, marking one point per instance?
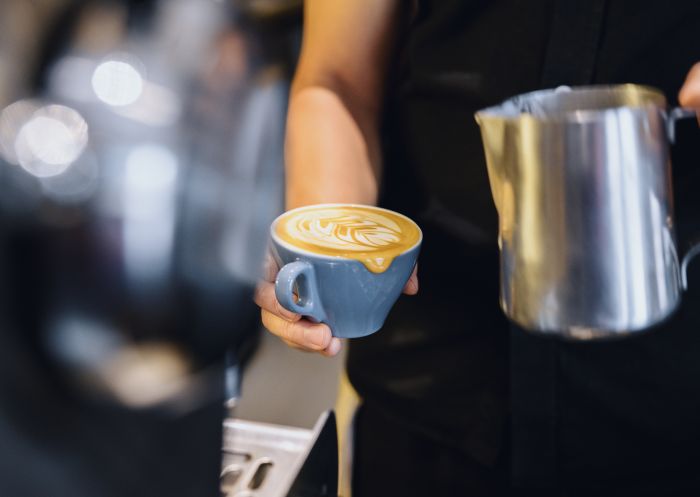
(140, 166)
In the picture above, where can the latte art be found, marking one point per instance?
(371, 235)
(348, 232)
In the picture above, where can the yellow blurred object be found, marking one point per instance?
(346, 406)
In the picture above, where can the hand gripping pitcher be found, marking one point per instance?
(581, 179)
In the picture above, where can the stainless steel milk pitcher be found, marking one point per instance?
(581, 178)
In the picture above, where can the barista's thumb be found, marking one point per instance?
(689, 95)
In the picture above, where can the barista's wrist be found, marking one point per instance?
(310, 195)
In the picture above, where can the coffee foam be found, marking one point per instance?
(370, 235)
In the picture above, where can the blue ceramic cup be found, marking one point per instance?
(339, 291)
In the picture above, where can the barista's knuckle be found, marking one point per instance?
(267, 321)
(266, 299)
(259, 295)
(279, 310)
(274, 324)
(289, 331)
(325, 335)
(265, 296)
(285, 313)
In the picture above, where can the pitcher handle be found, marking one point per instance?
(673, 116)
(671, 119)
(687, 259)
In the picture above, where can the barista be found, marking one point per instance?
(455, 401)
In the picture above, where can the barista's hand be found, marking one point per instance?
(689, 95)
(295, 331)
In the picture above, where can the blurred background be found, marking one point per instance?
(141, 163)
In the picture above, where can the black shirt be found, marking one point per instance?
(447, 363)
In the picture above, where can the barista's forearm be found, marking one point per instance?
(332, 149)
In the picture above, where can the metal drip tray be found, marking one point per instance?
(264, 460)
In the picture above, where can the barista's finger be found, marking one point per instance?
(330, 351)
(313, 336)
(411, 287)
(266, 299)
(333, 348)
(270, 268)
(689, 95)
(294, 346)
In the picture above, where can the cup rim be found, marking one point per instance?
(300, 250)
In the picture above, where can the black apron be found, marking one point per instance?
(581, 417)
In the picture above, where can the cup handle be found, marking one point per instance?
(308, 303)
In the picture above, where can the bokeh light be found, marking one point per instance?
(53, 138)
(150, 168)
(12, 118)
(150, 188)
(117, 82)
